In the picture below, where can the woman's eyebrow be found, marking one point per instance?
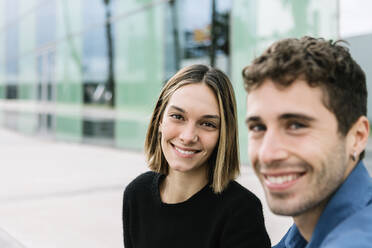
(177, 108)
(208, 116)
(211, 117)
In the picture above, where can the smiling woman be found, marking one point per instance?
(190, 130)
(190, 198)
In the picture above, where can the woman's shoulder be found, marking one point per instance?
(143, 181)
(241, 195)
(245, 225)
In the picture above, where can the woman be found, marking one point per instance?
(190, 198)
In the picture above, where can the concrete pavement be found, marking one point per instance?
(63, 195)
(7, 241)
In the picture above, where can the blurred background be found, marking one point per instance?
(89, 71)
(80, 77)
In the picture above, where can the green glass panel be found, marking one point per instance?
(2, 51)
(26, 91)
(69, 93)
(68, 71)
(27, 44)
(2, 91)
(27, 28)
(27, 123)
(69, 20)
(139, 69)
(68, 128)
(27, 87)
(131, 134)
(243, 40)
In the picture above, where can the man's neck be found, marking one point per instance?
(307, 221)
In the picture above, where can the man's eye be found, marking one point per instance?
(296, 125)
(176, 116)
(256, 128)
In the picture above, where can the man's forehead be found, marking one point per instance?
(297, 86)
(297, 98)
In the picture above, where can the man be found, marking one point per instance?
(306, 115)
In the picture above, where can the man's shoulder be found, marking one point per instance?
(360, 219)
(293, 238)
(355, 231)
(281, 243)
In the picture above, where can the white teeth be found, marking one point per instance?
(282, 179)
(185, 152)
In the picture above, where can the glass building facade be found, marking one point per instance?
(90, 70)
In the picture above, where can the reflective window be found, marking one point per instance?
(98, 68)
(98, 55)
(46, 23)
(11, 49)
(197, 31)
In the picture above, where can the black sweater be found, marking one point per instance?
(233, 218)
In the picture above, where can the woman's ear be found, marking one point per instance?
(359, 134)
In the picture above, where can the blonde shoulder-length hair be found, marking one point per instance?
(224, 161)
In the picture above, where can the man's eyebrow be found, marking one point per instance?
(296, 116)
(285, 116)
(252, 118)
(204, 116)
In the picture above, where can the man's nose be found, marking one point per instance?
(272, 148)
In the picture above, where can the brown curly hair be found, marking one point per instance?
(321, 63)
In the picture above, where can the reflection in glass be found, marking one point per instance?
(46, 24)
(197, 32)
(11, 50)
(98, 53)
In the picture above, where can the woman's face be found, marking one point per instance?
(190, 127)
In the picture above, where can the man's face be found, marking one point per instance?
(294, 146)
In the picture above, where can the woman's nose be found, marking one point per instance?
(189, 134)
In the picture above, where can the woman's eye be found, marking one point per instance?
(176, 116)
(209, 124)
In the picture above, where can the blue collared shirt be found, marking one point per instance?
(346, 221)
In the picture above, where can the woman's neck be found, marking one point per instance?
(179, 186)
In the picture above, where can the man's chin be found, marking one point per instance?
(285, 207)
(284, 211)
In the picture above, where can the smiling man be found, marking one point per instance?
(306, 115)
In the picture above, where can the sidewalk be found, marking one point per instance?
(69, 195)
(6, 241)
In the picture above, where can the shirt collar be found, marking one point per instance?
(350, 197)
(294, 238)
